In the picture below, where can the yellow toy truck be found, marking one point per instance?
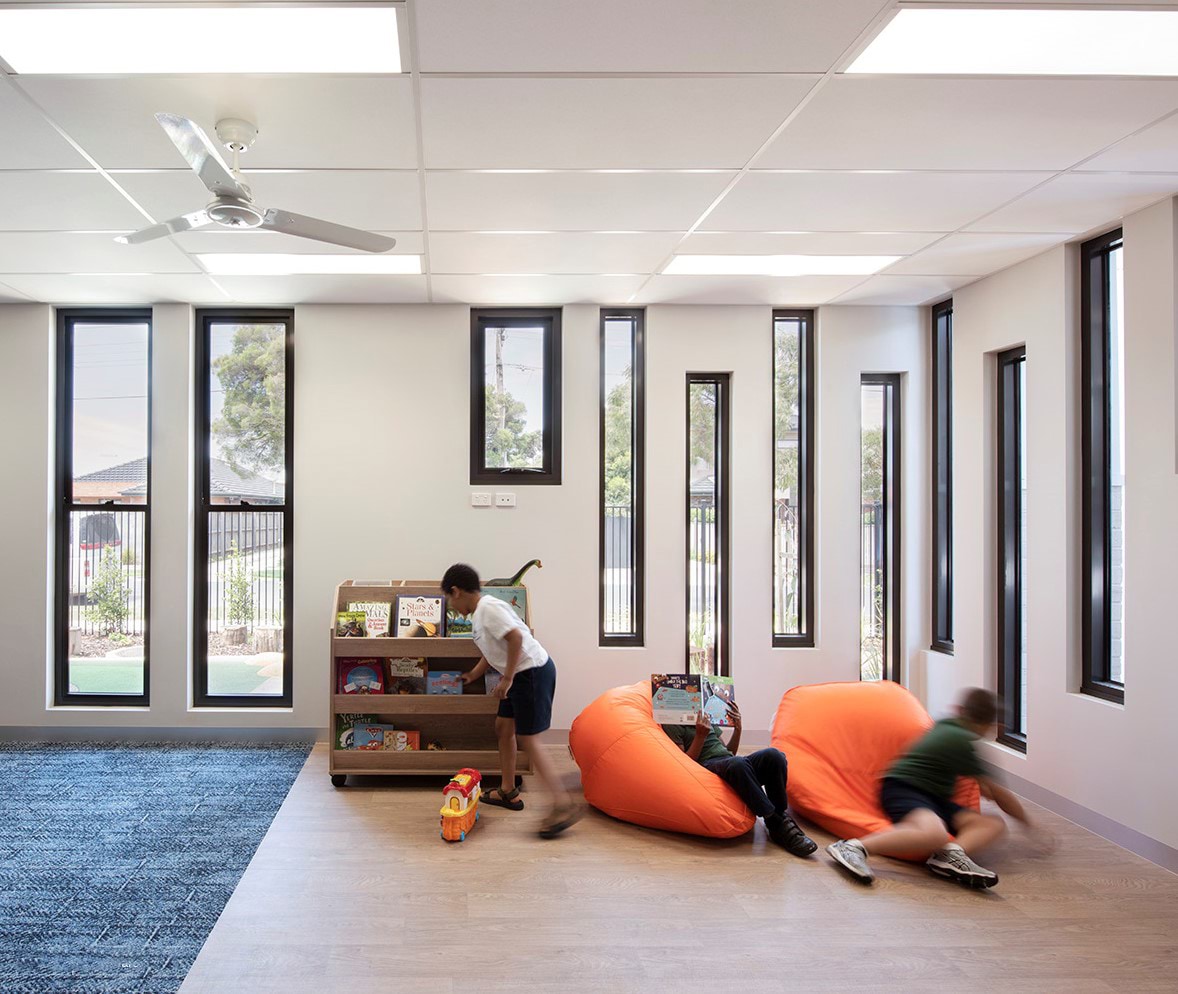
(460, 804)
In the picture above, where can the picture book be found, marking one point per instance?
(515, 597)
(719, 692)
(360, 676)
(444, 682)
(345, 728)
(406, 676)
(350, 624)
(675, 697)
(492, 678)
(370, 737)
(376, 616)
(420, 617)
(458, 626)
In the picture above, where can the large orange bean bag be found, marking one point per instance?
(839, 739)
(632, 771)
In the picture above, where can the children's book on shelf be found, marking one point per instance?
(406, 676)
(458, 626)
(492, 678)
(350, 624)
(385, 738)
(514, 597)
(444, 682)
(345, 728)
(420, 616)
(376, 616)
(361, 676)
(678, 698)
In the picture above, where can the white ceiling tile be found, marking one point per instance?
(643, 123)
(29, 142)
(585, 253)
(322, 289)
(553, 291)
(180, 288)
(864, 201)
(1154, 150)
(1078, 202)
(569, 201)
(38, 201)
(903, 123)
(792, 291)
(256, 241)
(903, 289)
(969, 254)
(377, 201)
(70, 252)
(806, 242)
(304, 122)
(624, 36)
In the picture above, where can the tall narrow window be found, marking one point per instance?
(942, 476)
(244, 492)
(515, 432)
(1102, 414)
(879, 527)
(707, 523)
(623, 447)
(1011, 463)
(103, 516)
(793, 478)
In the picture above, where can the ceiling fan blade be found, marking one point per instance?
(326, 231)
(185, 222)
(202, 155)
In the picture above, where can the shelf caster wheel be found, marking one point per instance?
(339, 779)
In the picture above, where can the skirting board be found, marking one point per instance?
(41, 733)
(1127, 838)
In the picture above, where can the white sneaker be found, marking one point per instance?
(954, 863)
(851, 856)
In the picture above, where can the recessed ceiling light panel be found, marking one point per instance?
(332, 38)
(296, 264)
(777, 265)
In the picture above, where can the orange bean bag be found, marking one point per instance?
(632, 771)
(839, 739)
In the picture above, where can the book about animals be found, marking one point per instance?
(444, 682)
(350, 624)
(420, 616)
(676, 698)
(376, 616)
(718, 693)
(406, 676)
(458, 626)
(361, 676)
(514, 597)
(345, 728)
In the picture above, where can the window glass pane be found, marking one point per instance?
(702, 534)
(105, 612)
(873, 534)
(942, 477)
(1116, 497)
(1022, 560)
(787, 480)
(619, 550)
(513, 379)
(245, 602)
(110, 413)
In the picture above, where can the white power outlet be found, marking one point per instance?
(505, 500)
(480, 499)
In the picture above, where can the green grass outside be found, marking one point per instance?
(118, 677)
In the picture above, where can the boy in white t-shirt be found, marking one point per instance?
(525, 693)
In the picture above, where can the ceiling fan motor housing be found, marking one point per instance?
(231, 212)
(235, 134)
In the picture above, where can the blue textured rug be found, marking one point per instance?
(115, 861)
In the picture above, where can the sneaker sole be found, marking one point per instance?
(838, 858)
(974, 881)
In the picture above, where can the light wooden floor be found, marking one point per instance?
(352, 890)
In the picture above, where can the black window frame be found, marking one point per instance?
(1095, 447)
(65, 505)
(892, 469)
(807, 388)
(941, 476)
(526, 317)
(205, 317)
(723, 448)
(635, 638)
(1009, 543)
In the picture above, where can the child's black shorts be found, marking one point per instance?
(899, 799)
(529, 701)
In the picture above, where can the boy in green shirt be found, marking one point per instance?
(917, 795)
(747, 775)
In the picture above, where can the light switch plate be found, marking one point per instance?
(480, 499)
(505, 500)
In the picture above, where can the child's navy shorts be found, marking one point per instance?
(899, 799)
(529, 701)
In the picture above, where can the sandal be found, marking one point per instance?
(506, 799)
(561, 819)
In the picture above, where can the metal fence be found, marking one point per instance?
(245, 569)
(107, 571)
(872, 621)
(702, 592)
(619, 569)
(787, 578)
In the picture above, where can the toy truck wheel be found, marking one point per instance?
(339, 779)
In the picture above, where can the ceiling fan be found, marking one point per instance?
(233, 204)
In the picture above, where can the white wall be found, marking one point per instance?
(1104, 757)
(367, 374)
